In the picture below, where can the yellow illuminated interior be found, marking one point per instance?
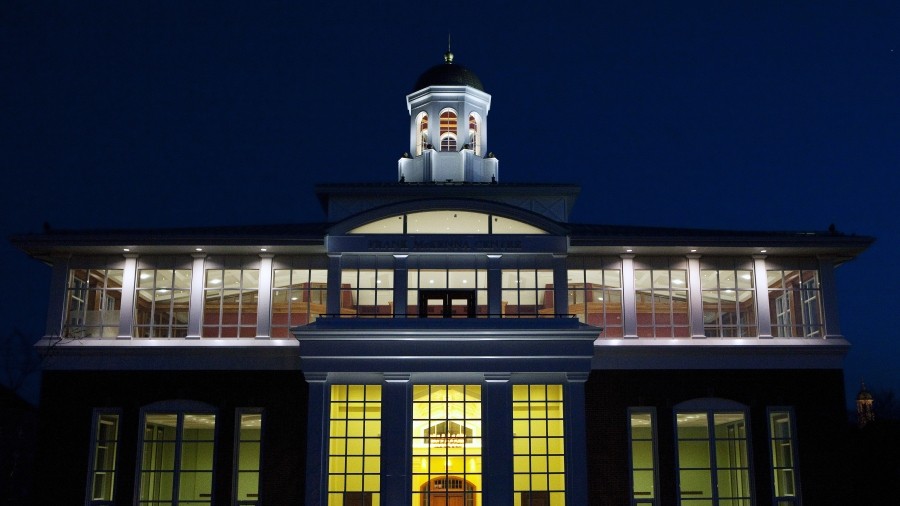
(643, 456)
(539, 462)
(713, 459)
(446, 445)
(354, 445)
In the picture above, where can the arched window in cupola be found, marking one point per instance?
(475, 133)
(421, 133)
(448, 130)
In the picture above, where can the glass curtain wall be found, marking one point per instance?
(367, 286)
(230, 298)
(595, 293)
(661, 297)
(729, 302)
(795, 303)
(298, 297)
(93, 303)
(162, 302)
(527, 293)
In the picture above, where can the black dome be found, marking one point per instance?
(448, 74)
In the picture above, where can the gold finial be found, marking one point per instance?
(448, 56)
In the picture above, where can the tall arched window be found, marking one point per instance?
(474, 133)
(448, 130)
(421, 133)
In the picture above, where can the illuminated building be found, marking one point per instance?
(445, 339)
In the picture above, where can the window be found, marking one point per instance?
(539, 461)
(713, 459)
(474, 133)
(298, 298)
(247, 454)
(447, 222)
(448, 130)
(369, 289)
(452, 279)
(795, 303)
(104, 452)
(422, 133)
(230, 299)
(784, 457)
(642, 455)
(527, 293)
(177, 456)
(595, 293)
(729, 305)
(446, 445)
(354, 446)
(162, 303)
(93, 302)
(662, 298)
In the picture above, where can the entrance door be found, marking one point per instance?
(448, 491)
(446, 304)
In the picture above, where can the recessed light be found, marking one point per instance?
(198, 249)
(762, 251)
(628, 251)
(693, 251)
(263, 249)
(126, 249)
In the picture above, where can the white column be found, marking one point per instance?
(195, 320)
(629, 308)
(126, 310)
(695, 294)
(761, 288)
(264, 297)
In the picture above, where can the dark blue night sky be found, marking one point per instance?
(761, 115)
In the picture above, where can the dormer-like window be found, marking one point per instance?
(474, 133)
(421, 133)
(448, 130)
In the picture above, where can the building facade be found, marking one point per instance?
(444, 339)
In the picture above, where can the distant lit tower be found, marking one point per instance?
(865, 409)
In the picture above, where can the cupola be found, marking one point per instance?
(448, 111)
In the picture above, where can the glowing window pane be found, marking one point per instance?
(538, 444)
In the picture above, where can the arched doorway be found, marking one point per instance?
(448, 491)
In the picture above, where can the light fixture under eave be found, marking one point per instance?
(198, 249)
(264, 249)
(126, 250)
